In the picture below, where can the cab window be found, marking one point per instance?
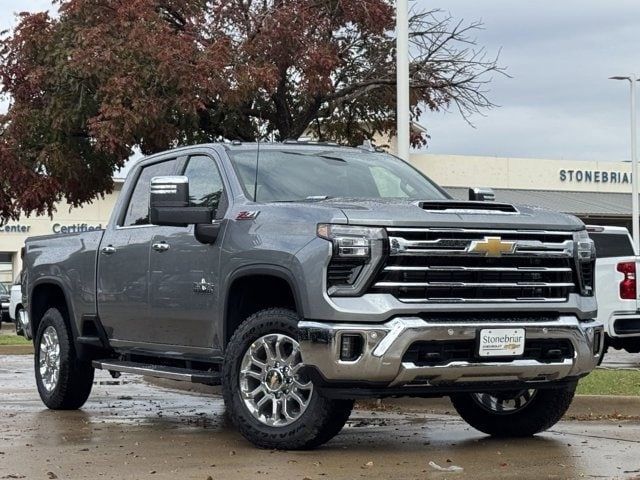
(138, 208)
(205, 182)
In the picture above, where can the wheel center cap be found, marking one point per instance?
(273, 380)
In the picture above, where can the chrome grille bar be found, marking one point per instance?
(401, 268)
(472, 284)
(483, 300)
(480, 231)
(402, 246)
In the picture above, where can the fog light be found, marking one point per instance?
(350, 347)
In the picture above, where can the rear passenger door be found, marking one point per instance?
(184, 272)
(123, 263)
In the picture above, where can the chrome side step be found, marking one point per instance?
(159, 371)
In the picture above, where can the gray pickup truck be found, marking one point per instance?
(303, 276)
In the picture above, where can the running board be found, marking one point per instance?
(159, 371)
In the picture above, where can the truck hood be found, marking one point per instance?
(451, 214)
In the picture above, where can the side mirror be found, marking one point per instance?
(482, 194)
(169, 203)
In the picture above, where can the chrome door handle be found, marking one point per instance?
(160, 247)
(108, 250)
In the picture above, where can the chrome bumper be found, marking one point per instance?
(385, 344)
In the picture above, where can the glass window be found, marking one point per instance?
(294, 175)
(612, 245)
(205, 183)
(138, 209)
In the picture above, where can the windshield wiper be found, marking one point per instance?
(310, 198)
(328, 157)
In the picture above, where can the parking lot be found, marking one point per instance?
(129, 429)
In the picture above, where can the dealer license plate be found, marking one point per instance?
(501, 342)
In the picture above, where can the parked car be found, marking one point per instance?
(16, 310)
(616, 269)
(302, 277)
(4, 303)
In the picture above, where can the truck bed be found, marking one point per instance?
(69, 261)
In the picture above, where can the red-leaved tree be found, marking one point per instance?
(105, 76)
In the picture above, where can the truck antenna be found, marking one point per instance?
(255, 182)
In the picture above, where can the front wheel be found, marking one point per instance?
(520, 413)
(267, 394)
(64, 382)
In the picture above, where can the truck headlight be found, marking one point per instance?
(356, 253)
(350, 241)
(585, 253)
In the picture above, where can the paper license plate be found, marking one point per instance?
(501, 342)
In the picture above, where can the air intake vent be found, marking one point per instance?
(343, 272)
(467, 207)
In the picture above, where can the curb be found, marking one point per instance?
(16, 349)
(584, 407)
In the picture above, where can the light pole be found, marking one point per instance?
(402, 78)
(635, 211)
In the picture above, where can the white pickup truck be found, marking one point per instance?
(616, 289)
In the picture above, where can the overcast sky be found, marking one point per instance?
(559, 103)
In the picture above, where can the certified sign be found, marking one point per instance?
(501, 342)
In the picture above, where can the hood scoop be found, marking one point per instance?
(467, 207)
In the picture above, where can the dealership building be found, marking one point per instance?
(597, 192)
(91, 216)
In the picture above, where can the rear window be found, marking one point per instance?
(612, 245)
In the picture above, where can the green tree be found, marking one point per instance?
(105, 76)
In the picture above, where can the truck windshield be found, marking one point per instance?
(289, 175)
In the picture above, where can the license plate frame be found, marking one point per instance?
(501, 342)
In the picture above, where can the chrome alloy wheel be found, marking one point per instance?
(49, 361)
(504, 402)
(270, 382)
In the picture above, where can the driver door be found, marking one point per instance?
(184, 272)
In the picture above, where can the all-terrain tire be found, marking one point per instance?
(16, 322)
(543, 411)
(75, 377)
(320, 422)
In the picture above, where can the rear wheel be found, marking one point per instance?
(520, 413)
(64, 382)
(268, 396)
(19, 329)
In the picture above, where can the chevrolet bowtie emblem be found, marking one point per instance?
(492, 246)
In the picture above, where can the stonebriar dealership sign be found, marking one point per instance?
(526, 173)
(594, 176)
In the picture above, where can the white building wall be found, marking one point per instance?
(525, 173)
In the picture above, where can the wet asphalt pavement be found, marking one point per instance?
(129, 429)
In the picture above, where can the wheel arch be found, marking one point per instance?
(282, 292)
(46, 293)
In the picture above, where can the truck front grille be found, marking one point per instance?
(476, 266)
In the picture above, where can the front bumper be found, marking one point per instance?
(384, 346)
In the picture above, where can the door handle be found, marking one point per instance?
(108, 250)
(160, 246)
